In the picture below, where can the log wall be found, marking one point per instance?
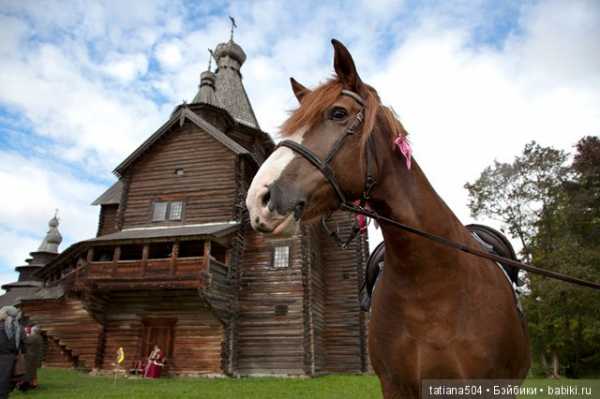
(207, 185)
(198, 335)
(344, 335)
(107, 222)
(314, 302)
(270, 321)
(67, 322)
(56, 355)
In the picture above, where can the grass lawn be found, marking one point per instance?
(69, 384)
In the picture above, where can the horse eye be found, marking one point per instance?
(338, 113)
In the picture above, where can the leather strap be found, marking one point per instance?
(323, 165)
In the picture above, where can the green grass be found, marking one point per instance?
(69, 384)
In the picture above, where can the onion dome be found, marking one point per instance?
(206, 90)
(53, 237)
(225, 53)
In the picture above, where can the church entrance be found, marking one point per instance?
(158, 332)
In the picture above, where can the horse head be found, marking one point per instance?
(321, 162)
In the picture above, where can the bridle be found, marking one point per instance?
(370, 181)
(324, 167)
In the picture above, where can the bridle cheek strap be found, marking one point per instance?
(324, 165)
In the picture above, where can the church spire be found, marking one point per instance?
(48, 250)
(53, 238)
(229, 90)
(206, 90)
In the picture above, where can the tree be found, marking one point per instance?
(555, 211)
(515, 193)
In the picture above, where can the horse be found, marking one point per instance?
(437, 313)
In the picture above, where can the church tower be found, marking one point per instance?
(226, 84)
(28, 283)
(175, 262)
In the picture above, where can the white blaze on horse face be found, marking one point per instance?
(268, 173)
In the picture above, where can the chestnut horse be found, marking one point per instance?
(437, 313)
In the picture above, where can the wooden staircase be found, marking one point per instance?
(57, 354)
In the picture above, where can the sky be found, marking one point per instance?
(82, 84)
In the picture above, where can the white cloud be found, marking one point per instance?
(464, 103)
(466, 106)
(36, 189)
(169, 54)
(126, 68)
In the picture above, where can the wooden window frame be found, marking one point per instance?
(169, 210)
(169, 204)
(274, 247)
(155, 204)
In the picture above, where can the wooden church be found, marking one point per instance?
(175, 262)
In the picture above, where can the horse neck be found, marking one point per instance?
(408, 197)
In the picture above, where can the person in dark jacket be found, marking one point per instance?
(34, 344)
(10, 345)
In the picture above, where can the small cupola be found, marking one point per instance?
(206, 89)
(53, 237)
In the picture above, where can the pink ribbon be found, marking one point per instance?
(404, 146)
(362, 219)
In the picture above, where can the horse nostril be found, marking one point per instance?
(266, 198)
(299, 209)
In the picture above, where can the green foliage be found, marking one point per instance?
(555, 211)
(515, 193)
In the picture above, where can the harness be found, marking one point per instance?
(360, 208)
(324, 167)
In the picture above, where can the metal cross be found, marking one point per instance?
(210, 58)
(233, 26)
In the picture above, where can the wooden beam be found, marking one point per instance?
(173, 262)
(115, 260)
(207, 246)
(90, 254)
(145, 252)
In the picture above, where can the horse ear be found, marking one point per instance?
(299, 90)
(344, 65)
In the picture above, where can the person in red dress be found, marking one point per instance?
(156, 361)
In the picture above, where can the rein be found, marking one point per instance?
(464, 248)
(324, 167)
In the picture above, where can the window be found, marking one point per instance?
(167, 211)
(179, 172)
(103, 254)
(131, 252)
(281, 256)
(160, 250)
(191, 248)
(175, 210)
(160, 211)
(281, 310)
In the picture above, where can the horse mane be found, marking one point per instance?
(310, 111)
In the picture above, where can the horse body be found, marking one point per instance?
(437, 313)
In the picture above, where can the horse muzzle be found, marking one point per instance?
(275, 210)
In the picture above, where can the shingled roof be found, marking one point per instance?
(229, 89)
(111, 196)
(206, 229)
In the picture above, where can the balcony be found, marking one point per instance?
(149, 265)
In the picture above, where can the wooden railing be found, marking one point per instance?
(170, 272)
